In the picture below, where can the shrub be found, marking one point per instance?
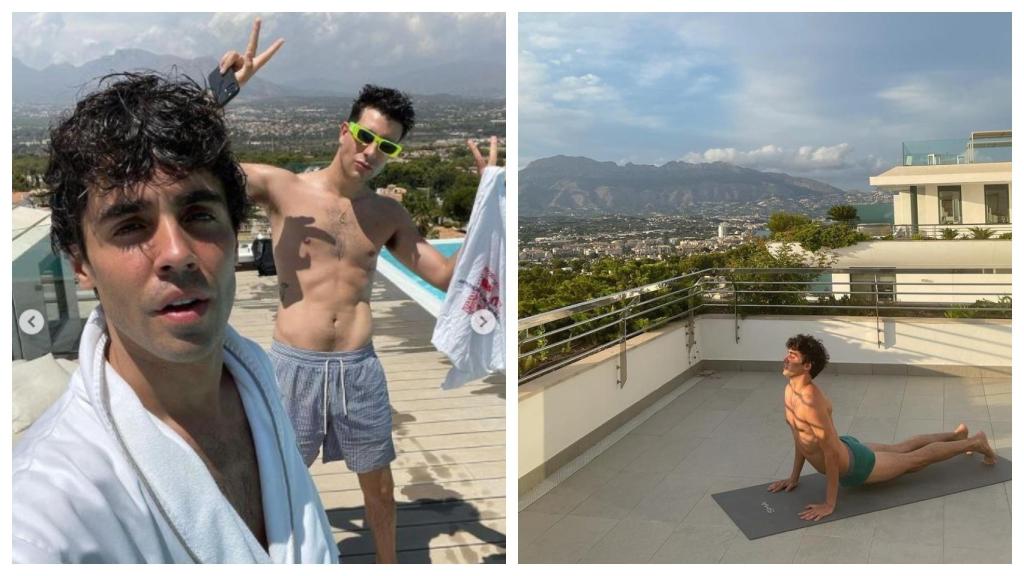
(842, 213)
(781, 222)
(980, 309)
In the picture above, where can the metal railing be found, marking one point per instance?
(939, 231)
(554, 339)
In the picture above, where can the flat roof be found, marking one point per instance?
(943, 174)
(29, 226)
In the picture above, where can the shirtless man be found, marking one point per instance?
(327, 229)
(842, 459)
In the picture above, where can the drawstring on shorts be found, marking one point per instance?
(341, 376)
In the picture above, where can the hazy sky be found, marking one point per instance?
(342, 43)
(826, 96)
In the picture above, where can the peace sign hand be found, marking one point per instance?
(245, 66)
(492, 159)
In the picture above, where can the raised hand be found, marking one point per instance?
(246, 65)
(492, 158)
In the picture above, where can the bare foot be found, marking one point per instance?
(961, 432)
(981, 445)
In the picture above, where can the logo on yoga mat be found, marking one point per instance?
(767, 508)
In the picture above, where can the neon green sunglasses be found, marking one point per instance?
(368, 137)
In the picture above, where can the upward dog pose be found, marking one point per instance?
(327, 228)
(842, 459)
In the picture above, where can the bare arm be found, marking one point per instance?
(820, 420)
(798, 465)
(261, 179)
(419, 255)
(264, 182)
(413, 250)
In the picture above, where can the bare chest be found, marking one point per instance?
(229, 453)
(797, 416)
(331, 234)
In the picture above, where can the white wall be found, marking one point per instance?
(561, 408)
(937, 288)
(849, 339)
(557, 410)
(972, 204)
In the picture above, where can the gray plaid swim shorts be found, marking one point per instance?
(338, 400)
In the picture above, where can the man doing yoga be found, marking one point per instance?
(842, 459)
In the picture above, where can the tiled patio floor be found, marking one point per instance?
(450, 471)
(647, 498)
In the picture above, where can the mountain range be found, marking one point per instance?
(61, 84)
(581, 186)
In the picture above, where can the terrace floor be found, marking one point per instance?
(450, 471)
(647, 498)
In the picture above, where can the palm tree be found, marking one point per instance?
(980, 233)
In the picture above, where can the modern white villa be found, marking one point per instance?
(951, 185)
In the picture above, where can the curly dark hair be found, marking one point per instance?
(811, 349)
(133, 129)
(390, 102)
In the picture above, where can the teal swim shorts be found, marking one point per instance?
(862, 462)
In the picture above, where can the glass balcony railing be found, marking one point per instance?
(991, 147)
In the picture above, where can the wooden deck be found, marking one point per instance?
(450, 471)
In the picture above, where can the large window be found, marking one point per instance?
(997, 204)
(949, 205)
(864, 287)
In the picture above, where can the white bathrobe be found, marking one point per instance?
(99, 479)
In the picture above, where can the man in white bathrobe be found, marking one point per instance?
(171, 444)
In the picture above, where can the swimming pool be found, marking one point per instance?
(424, 294)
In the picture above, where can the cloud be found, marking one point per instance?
(946, 95)
(331, 43)
(545, 41)
(35, 37)
(775, 158)
(824, 89)
(588, 87)
(658, 68)
(701, 84)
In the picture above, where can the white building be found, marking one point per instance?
(951, 185)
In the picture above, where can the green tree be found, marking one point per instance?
(781, 222)
(814, 237)
(27, 172)
(458, 203)
(843, 214)
(423, 210)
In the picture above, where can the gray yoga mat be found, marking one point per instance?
(759, 513)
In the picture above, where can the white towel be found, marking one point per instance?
(477, 291)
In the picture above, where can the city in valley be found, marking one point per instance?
(709, 228)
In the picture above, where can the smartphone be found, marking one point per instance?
(223, 86)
